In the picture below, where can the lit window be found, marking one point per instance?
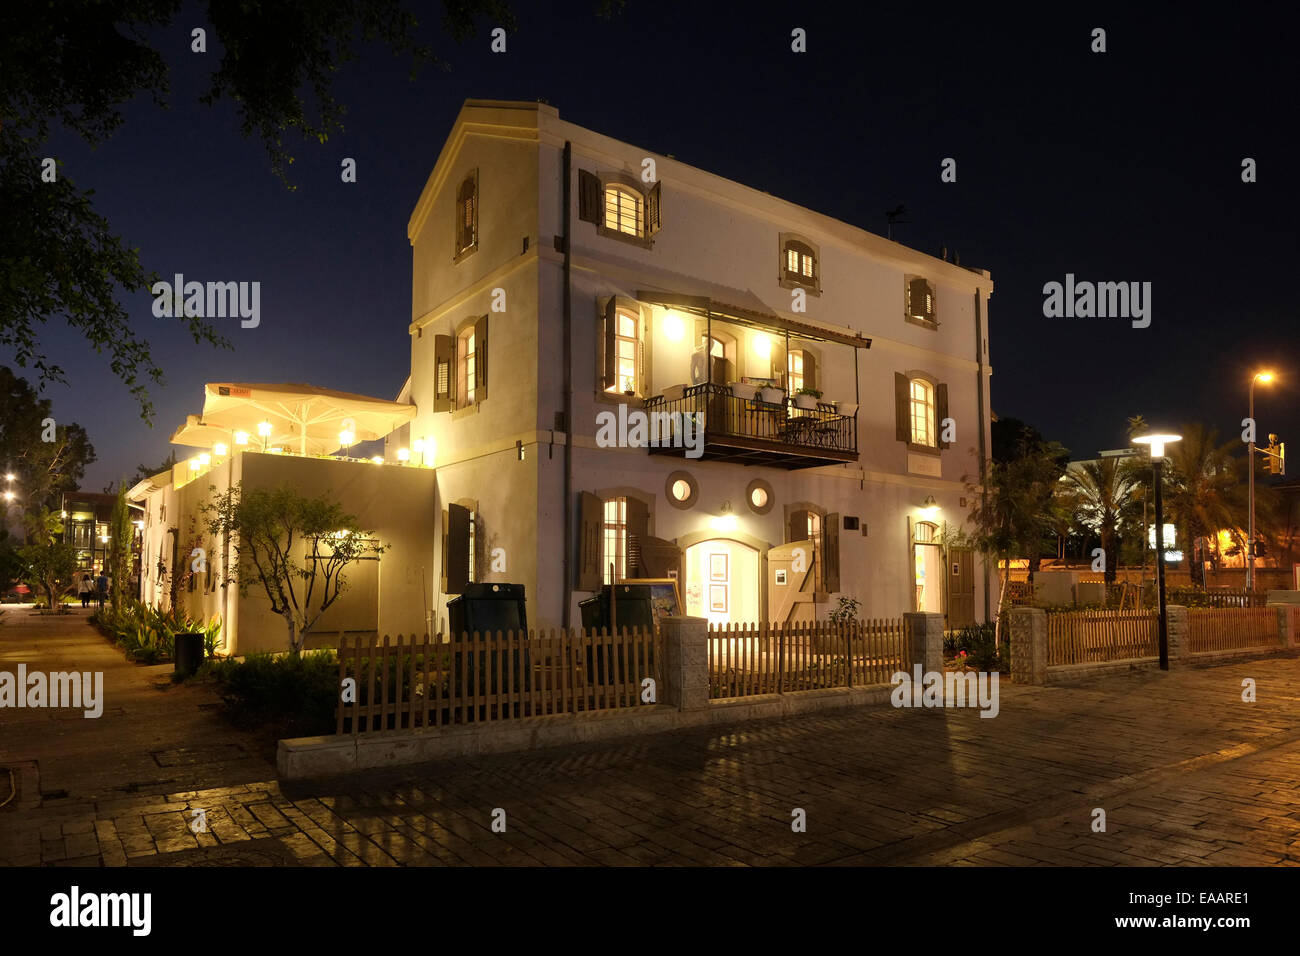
(922, 412)
(625, 353)
(469, 367)
(681, 489)
(796, 370)
(624, 211)
(800, 263)
(614, 552)
(758, 497)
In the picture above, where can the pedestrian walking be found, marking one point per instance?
(102, 589)
(85, 589)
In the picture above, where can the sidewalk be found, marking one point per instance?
(1187, 773)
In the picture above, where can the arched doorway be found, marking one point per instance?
(723, 581)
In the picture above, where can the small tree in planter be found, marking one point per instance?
(295, 548)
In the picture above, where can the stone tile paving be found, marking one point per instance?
(1186, 772)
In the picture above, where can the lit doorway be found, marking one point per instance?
(927, 559)
(722, 582)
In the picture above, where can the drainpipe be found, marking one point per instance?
(567, 317)
(983, 450)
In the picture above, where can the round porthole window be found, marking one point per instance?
(682, 490)
(760, 496)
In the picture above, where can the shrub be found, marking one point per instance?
(295, 695)
(976, 642)
(148, 635)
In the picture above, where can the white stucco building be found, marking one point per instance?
(559, 274)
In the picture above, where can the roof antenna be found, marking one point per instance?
(894, 216)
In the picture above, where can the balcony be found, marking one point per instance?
(751, 431)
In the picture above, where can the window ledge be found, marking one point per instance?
(644, 242)
(931, 324)
(813, 287)
(466, 411)
(925, 449)
(465, 253)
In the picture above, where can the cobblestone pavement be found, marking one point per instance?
(1186, 772)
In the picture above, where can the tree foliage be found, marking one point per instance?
(44, 469)
(50, 562)
(294, 548)
(121, 535)
(74, 65)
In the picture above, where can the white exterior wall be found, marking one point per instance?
(393, 502)
(716, 232)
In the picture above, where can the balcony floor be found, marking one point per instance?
(759, 451)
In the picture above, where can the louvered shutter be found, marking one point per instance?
(589, 197)
(810, 370)
(611, 344)
(797, 526)
(456, 559)
(652, 219)
(831, 552)
(481, 359)
(444, 372)
(591, 515)
(638, 519)
(940, 413)
(902, 407)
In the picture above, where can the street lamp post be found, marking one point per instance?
(1157, 443)
(1264, 377)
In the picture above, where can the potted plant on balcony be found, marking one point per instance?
(772, 394)
(744, 390)
(806, 398)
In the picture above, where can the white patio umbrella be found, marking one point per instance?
(301, 416)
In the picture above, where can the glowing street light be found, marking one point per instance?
(346, 438)
(1264, 377)
(264, 430)
(220, 449)
(241, 438)
(403, 454)
(1158, 441)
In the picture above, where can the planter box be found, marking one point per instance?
(808, 402)
(846, 408)
(773, 396)
(742, 390)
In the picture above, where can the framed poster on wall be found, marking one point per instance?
(718, 567)
(717, 599)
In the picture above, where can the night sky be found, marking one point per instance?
(1122, 166)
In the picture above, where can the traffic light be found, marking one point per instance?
(1275, 455)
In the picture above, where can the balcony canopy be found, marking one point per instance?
(744, 308)
(303, 418)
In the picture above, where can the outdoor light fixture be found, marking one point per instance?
(725, 523)
(9, 496)
(377, 460)
(346, 438)
(10, 476)
(194, 464)
(1158, 441)
(104, 538)
(264, 430)
(205, 459)
(220, 449)
(403, 454)
(1264, 377)
(673, 327)
(138, 524)
(929, 506)
(762, 346)
(241, 438)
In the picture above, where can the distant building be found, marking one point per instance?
(87, 516)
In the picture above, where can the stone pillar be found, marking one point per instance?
(1286, 624)
(1176, 619)
(686, 662)
(1028, 640)
(924, 640)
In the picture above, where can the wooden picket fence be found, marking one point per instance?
(750, 659)
(428, 682)
(1231, 628)
(1086, 637)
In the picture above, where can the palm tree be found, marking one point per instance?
(1204, 489)
(1102, 493)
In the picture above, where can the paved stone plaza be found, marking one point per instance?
(1187, 773)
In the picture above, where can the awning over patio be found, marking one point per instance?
(303, 418)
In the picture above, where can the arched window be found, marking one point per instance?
(922, 412)
(923, 532)
(624, 211)
(467, 216)
(800, 265)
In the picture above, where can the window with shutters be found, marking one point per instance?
(921, 408)
(800, 265)
(467, 217)
(460, 378)
(624, 368)
(922, 404)
(919, 302)
(619, 206)
(614, 538)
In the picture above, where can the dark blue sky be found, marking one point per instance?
(1115, 166)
